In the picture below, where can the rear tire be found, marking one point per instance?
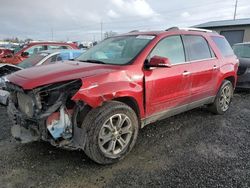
(112, 131)
(223, 98)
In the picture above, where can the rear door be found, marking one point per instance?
(204, 67)
(167, 88)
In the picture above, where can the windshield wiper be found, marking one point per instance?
(92, 61)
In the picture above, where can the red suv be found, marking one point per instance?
(33, 48)
(99, 101)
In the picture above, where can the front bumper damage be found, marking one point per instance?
(53, 119)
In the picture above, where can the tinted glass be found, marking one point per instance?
(197, 47)
(50, 60)
(63, 56)
(57, 47)
(76, 54)
(242, 51)
(171, 48)
(32, 60)
(223, 46)
(116, 50)
(35, 49)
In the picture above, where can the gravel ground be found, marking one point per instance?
(193, 149)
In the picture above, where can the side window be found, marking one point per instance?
(65, 47)
(56, 47)
(76, 54)
(223, 46)
(50, 60)
(35, 49)
(63, 56)
(171, 48)
(197, 47)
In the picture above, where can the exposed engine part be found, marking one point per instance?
(61, 127)
(48, 113)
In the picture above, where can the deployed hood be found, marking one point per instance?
(41, 75)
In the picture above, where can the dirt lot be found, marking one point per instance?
(194, 149)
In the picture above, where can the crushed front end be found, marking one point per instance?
(47, 113)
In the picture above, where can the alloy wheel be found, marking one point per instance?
(115, 135)
(225, 98)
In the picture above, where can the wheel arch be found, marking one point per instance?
(131, 102)
(231, 79)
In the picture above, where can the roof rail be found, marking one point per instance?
(133, 31)
(189, 29)
(196, 29)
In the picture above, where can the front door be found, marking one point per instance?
(167, 88)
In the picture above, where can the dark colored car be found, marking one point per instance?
(99, 102)
(242, 51)
(32, 48)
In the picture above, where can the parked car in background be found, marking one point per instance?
(4, 52)
(242, 51)
(99, 102)
(7, 48)
(41, 58)
(32, 48)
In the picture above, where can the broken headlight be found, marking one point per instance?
(26, 104)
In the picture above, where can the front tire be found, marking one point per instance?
(112, 131)
(223, 98)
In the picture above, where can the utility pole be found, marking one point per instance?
(52, 34)
(235, 9)
(101, 29)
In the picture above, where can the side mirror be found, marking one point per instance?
(25, 54)
(157, 61)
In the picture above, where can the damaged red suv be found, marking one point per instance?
(99, 101)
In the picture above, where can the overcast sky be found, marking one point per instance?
(81, 19)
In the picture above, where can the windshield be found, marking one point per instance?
(242, 51)
(32, 60)
(117, 50)
(18, 48)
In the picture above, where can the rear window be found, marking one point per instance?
(197, 47)
(32, 60)
(223, 46)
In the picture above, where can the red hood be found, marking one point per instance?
(41, 75)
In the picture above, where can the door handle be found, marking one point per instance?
(186, 73)
(215, 67)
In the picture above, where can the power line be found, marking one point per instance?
(101, 29)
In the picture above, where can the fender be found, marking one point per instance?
(99, 89)
(226, 71)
